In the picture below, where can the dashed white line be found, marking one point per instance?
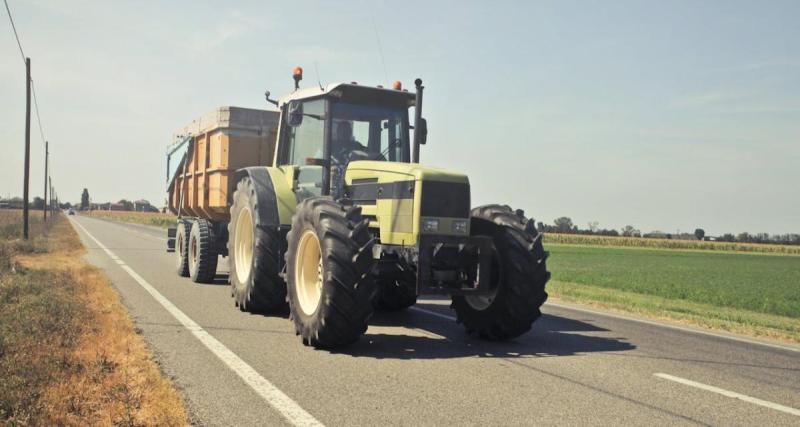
(729, 393)
(282, 403)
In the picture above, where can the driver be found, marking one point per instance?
(344, 146)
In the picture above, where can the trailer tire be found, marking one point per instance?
(202, 252)
(519, 276)
(329, 258)
(182, 247)
(395, 295)
(254, 254)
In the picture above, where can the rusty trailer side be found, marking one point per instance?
(204, 156)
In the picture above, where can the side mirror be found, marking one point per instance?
(422, 128)
(294, 113)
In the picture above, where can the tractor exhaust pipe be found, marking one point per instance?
(417, 120)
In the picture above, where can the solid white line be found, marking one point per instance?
(679, 328)
(729, 393)
(432, 313)
(287, 407)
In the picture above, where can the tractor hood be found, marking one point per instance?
(394, 171)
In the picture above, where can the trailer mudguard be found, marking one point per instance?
(276, 200)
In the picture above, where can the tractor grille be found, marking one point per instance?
(447, 199)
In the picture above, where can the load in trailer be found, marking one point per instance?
(323, 205)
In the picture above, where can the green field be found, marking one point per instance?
(760, 283)
(754, 294)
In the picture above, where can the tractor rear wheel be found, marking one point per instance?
(182, 247)
(329, 258)
(254, 255)
(518, 275)
(202, 252)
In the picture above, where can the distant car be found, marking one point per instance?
(71, 211)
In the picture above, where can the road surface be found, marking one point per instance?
(419, 367)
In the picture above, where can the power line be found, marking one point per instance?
(14, 27)
(36, 108)
(33, 88)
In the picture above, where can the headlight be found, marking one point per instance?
(459, 226)
(430, 225)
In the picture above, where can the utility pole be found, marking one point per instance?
(27, 147)
(46, 155)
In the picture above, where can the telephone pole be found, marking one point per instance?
(46, 155)
(27, 147)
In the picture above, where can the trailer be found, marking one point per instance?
(202, 160)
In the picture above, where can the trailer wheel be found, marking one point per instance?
(395, 295)
(328, 264)
(182, 247)
(518, 274)
(202, 252)
(254, 254)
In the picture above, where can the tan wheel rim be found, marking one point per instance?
(243, 245)
(308, 272)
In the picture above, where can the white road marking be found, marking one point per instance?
(732, 394)
(287, 407)
(130, 227)
(679, 328)
(432, 313)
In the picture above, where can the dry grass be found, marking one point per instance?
(69, 353)
(154, 219)
(644, 242)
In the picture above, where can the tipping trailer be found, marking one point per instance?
(324, 206)
(202, 161)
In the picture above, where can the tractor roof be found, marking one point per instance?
(351, 89)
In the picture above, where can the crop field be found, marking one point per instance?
(154, 219)
(745, 291)
(644, 242)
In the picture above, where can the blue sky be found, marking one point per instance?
(664, 115)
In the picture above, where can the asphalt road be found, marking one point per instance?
(419, 367)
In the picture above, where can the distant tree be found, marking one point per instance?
(629, 231)
(540, 226)
(65, 205)
(699, 233)
(85, 199)
(744, 237)
(563, 224)
(126, 205)
(38, 203)
(593, 226)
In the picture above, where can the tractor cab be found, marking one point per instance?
(324, 129)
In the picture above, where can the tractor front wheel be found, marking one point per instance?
(328, 262)
(518, 276)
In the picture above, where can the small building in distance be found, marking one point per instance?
(144, 206)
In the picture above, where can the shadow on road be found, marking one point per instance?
(551, 336)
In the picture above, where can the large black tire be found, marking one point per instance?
(395, 295)
(519, 276)
(340, 272)
(255, 268)
(182, 247)
(202, 252)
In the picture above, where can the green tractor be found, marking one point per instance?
(346, 221)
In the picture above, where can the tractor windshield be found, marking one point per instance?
(368, 132)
